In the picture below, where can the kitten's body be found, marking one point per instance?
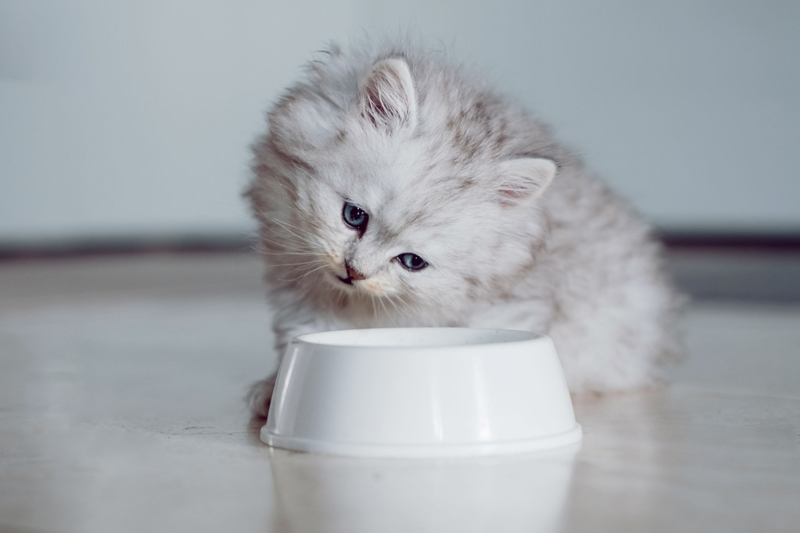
(448, 170)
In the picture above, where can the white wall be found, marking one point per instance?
(133, 118)
(689, 108)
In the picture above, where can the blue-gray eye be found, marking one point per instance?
(355, 217)
(412, 261)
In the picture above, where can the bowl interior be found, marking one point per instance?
(415, 337)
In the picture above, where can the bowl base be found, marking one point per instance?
(547, 442)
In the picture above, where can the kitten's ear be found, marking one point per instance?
(387, 96)
(525, 178)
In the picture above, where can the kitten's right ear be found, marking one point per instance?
(387, 96)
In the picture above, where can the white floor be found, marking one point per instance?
(121, 384)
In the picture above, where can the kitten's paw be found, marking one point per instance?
(260, 395)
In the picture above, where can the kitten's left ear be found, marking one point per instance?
(387, 96)
(525, 178)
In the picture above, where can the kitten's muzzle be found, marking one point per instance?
(352, 275)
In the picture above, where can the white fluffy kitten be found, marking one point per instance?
(393, 190)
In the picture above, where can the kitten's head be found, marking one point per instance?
(389, 177)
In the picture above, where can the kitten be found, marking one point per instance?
(393, 190)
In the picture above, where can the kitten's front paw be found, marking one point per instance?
(260, 396)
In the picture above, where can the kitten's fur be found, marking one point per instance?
(517, 232)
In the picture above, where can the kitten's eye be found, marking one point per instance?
(355, 216)
(412, 261)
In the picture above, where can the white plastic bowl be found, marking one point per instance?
(421, 392)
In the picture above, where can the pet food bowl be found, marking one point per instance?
(421, 392)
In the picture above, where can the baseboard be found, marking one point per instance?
(238, 243)
(125, 245)
(730, 240)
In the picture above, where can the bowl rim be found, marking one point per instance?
(322, 339)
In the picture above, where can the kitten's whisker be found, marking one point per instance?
(306, 273)
(394, 305)
(282, 253)
(304, 243)
(374, 310)
(308, 270)
(407, 310)
(306, 291)
(287, 245)
(275, 249)
(341, 298)
(386, 312)
(318, 261)
(288, 227)
(407, 306)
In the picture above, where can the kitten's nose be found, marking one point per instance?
(353, 273)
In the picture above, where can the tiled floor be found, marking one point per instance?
(120, 410)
